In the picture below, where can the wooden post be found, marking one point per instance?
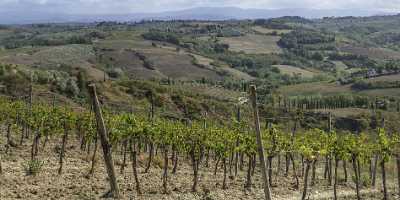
(124, 147)
(336, 179)
(134, 164)
(91, 172)
(64, 143)
(329, 157)
(376, 158)
(1, 168)
(398, 173)
(151, 112)
(8, 138)
(304, 194)
(253, 97)
(330, 126)
(101, 129)
(31, 92)
(385, 192)
(28, 129)
(357, 178)
(195, 170)
(165, 170)
(237, 142)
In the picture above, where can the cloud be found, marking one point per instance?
(132, 6)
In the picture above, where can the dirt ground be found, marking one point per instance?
(74, 183)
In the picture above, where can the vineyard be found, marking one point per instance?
(229, 151)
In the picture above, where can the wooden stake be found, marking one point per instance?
(1, 168)
(253, 97)
(101, 129)
(64, 143)
(134, 164)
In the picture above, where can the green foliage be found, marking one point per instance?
(194, 137)
(228, 32)
(318, 56)
(115, 72)
(365, 180)
(71, 88)
(365, 85)
(221, 48)
(42, 77)
(385, 145)
(82, 83)
(281, 22)
(354, 61)
(34, 39)
(33, 167)
(312, 144)
(162, 37)
(302, 36)
(14, 80)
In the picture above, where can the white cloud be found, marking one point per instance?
(129, 6)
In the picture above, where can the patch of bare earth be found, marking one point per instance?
(74, 183)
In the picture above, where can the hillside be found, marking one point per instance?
(168, 103)
(281, 52)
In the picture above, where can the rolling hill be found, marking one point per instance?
(199, 13)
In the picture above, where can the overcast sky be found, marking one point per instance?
(140, 6)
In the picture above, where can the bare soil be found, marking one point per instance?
(74, 183)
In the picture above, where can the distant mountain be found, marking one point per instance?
(201, 13)
(223, 13)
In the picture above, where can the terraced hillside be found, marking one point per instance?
(179, 91)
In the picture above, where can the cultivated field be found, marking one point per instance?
(234, 73)
(390, 78)
(377, 53)
(269, 31)
(291, 70)
(390, 92)
(175, 65)
(253, 44)
(322, 88)
(52, 57)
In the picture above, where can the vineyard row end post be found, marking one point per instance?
(253, 97)
(101, 129)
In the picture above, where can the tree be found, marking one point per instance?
(317, 56)
(71, 88)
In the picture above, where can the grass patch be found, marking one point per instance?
(269, 31)
(253, 44)
(33, 167)
(291, 70)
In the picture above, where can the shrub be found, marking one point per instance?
(115, 73)
(33, 167)
(71, 88)
(302, 36)
(221, 48)
(15, 83)
(2, 70)
(162, 37)
(317, 56)
(365, 181)
(42, 77)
